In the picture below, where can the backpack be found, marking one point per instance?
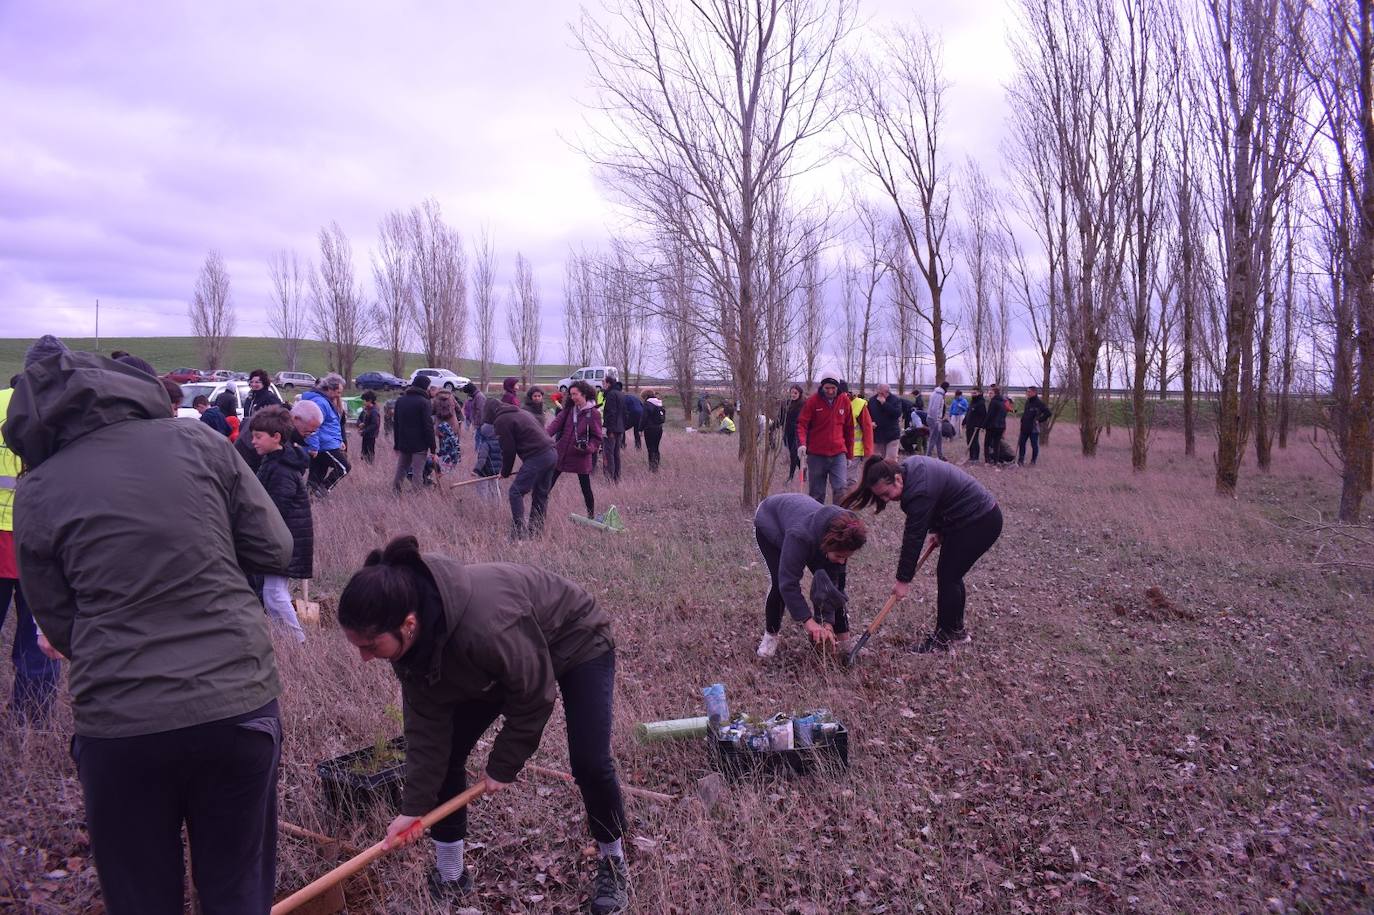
(946, 429)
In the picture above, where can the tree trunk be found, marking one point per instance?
(1264, 436)
(1139, 426)
(937, 336)
(1087, 401)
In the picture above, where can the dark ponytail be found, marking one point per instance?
(381, 594)
(876, 470)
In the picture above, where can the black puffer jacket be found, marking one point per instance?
(613, 410)
(282, 474)
(997, 414)
(977, 412)
(259, 399)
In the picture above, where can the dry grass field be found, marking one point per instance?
(1167, 707)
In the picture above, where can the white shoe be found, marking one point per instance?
(768, 646)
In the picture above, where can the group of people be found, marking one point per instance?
(568, 433)
(833, 430)
(173, 677)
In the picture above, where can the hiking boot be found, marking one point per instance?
(441, 890)
(942, 641)
(768, 645)
(610, 887)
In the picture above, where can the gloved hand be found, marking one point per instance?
(801, 452)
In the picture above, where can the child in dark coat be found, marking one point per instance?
(369, 425)
(282, 474)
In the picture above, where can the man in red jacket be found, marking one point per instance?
(825, 439)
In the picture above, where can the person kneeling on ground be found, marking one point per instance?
(958, 512)
(795, 533)
(471, 643)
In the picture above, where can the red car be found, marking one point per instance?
(183, 376)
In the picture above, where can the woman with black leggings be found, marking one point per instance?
(960, 515)
(474, 642)
(577, 434)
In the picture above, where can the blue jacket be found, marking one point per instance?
(329, 436)
(959, 407)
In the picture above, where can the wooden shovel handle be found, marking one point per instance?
(473, 480)
(359, 862)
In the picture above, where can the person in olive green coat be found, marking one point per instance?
(135, 532)
(471, 643)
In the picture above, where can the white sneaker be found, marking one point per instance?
(768, 646)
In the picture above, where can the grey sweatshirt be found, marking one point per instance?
(792, 525)
(940, 497)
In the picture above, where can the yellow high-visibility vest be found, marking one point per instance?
(858, 404)
(9, 468)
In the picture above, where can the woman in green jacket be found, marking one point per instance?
(464, 661)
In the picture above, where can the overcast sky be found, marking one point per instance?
(138, 136)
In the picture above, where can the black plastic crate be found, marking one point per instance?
(350, 795)
(830, 754)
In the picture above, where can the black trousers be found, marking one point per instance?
(327, 468)
(585, 481)
(793, 459)
(588, 692)
(1034, 439)
(652, 437)
(369, 448)
(220, 779)
(774, 607)
(972, 433)
(992, 446)
(535, 476)
(959, 550)
(610, 452)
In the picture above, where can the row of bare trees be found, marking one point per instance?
(427, 289)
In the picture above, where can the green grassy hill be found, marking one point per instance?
(245, 354)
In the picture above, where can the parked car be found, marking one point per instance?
(592, 374)
(182, 376)
(217, 375)
(212, 390)
(441, 378)
(289, 380)
(378, 381)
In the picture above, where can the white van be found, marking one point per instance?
(212, 390)
(592, 374)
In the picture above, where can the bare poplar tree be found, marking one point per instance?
(1067, 54)
(898, 96)
(1146, 95)
(575, 311)
(484, 304)
(982, 245)
(287, 316)
(339, 316)
(391, 274)
(712, 108)
(1248, 64)
(680, 334)
(813, 317)
(863, 281)
(1341, 69)
(212, 311)
(438, 273)
(523, 319)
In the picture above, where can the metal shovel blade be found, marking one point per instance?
(853, 657)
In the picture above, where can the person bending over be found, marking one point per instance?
(471, 643)
(960, 515)
(795, 533)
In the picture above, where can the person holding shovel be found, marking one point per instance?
(960, 515)
(469, 644)
(795, 533)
